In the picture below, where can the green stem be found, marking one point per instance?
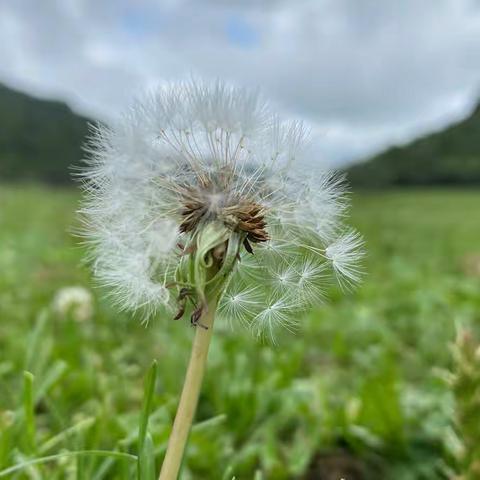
(190, 393)
(51, 458)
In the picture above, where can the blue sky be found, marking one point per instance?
(241, 33)
(364, 74)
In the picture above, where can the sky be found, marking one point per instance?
(364, 74)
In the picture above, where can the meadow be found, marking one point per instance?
(359, 392)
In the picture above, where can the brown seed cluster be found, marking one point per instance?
(248, 217)
(192, 213)
(251, 219)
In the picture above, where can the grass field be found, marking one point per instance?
(358, 393)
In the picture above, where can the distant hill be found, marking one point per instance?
(448, 157)
(39, 139)
(42, 140)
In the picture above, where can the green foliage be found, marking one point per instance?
(28, 412)
(448, 157)
(355, 392)
(39, 139)
(465, 385)
(146, 454)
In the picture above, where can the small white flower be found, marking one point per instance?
(196, 163)
(74, 301)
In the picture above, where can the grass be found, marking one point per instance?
(356, 392)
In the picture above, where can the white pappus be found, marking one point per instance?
(194, 154)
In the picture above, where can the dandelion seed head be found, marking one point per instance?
(75, 301)
(195, 154)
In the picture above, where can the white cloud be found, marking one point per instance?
(364, 74)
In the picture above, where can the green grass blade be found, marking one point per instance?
(147, 404)
(104, 469)
(53, 375)
(124, 470)
(123, 466)
(28, 408)
(258, 475)
(146, 454)
(66, 434)
(209, 423)
(146, 460)
(81, 468)
(227, 475)
(52, 458)
(34, 341)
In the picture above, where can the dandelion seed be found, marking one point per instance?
(277, 313)
(240, 304)
(311, 279)
(284, 279)
(345, 253)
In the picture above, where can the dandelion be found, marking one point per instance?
(200, 196)
(75, 301)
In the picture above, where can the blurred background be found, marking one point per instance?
(380, 383)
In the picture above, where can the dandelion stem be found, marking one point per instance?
(190, 393)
